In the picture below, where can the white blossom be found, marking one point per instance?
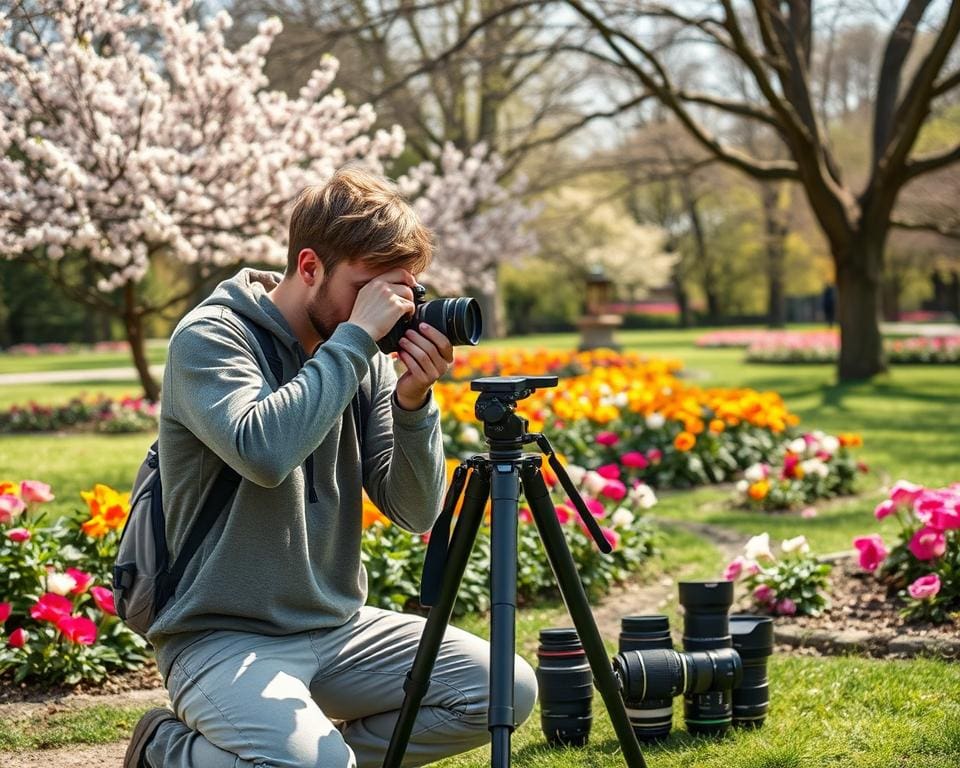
(758, 548)
(60, 583)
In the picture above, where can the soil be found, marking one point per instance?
(865, 619)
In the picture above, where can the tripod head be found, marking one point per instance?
(497, 404)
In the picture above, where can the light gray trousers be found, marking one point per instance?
(251, 700)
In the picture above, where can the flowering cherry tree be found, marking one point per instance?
(477, 223)
(129, 136)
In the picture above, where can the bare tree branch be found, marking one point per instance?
(951, 231)
(918, 166)
(888, 86)
(669, 97)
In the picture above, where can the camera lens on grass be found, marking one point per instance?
(706, 627)
(459, 319)
(566, 688)
(753, 641)
(651, 718)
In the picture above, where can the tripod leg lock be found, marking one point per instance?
(501, 717)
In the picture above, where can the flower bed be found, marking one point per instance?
(57, 618)
(810, 467)
(922, 568)
(99, 414)
(32, 350)
(792, 584)
(629, 414)
(824, 347)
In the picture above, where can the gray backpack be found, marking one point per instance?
(143, 578)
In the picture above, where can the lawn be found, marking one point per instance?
(842, 712)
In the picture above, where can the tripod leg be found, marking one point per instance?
(565, 570)
(505, 494)
(418, 679)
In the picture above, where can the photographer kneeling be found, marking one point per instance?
(267, 641)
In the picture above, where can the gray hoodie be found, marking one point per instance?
(275, 563)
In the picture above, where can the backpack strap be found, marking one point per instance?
(223, 488)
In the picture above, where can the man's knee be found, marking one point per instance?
(524, 690)
(301, 751)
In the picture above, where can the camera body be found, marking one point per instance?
(459, 319)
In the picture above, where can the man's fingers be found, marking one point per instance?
(441, 342)
(422, 356)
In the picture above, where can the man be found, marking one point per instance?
(267, 640)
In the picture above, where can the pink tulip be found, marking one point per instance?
(78, 629)
(928, 544)
(614, 490)
(524, 516)
(635, 460)
(34, 490)
(905, 492)
(607, 438)
(734, 569)
(872, 551)
(764, 594)
(565, 513)
(611, 536)
(946, 518)
(51, 607)
(924, 587)
(786, 607)
(83, 580)
(18, 638)
(11, 507)
(595, 507)
(884, 508)
(5, 609)
(654, 455)
(609, 471)
(19, 535)
(103, 597)
(808, 513)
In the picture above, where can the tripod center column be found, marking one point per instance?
(505, 496)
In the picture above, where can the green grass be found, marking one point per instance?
(58, 393)
(838, 712)
(98, 724)
(77, 361)
(849, 712)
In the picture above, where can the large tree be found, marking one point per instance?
(132, 135)
(774, 42)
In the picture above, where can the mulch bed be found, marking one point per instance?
(146, 678)
(863, 619)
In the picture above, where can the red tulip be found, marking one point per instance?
(103, 597)
(18, 638)
(83, 580)
(4, 612)
(51, 607)
(78, 629)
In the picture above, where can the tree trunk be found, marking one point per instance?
(858, 308)
(776, 232)
(133, 324)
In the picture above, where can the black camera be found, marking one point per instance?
(458, 319)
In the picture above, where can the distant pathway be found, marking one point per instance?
(87, 374)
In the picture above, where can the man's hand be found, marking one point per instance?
(427, 354)
(383, 301)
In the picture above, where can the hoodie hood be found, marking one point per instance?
(246, 294)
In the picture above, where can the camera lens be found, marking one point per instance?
(458, 319)
(651, 718)
(753, 641)
(566, 688)
(706, 627)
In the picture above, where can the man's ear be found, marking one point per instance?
(309, 267)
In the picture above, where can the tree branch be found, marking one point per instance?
(669, 97)
(926, 163)
(888, 84)
(947, 84)
(952, 232)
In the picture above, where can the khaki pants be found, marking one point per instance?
(252, 700)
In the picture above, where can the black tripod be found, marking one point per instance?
(498, 476)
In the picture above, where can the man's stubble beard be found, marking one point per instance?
(318, 312)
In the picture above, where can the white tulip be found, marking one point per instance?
(655, 420)
(756, 473)
(622, 518)
(758, 548)
(798, 543)
(60, 583)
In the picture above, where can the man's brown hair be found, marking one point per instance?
(358, 215)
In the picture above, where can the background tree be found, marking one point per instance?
(775, 42)
(129, 138)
